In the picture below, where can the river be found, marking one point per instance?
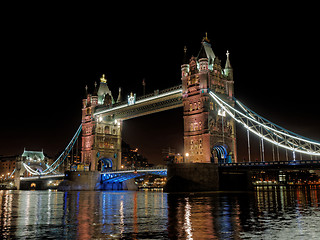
(274, 214)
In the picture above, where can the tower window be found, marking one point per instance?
(190, 107)
(107, 130)
(211, 105)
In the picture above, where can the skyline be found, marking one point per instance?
(45, 77)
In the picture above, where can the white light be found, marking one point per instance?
(141, 101)
(221, 112)
(223, 105)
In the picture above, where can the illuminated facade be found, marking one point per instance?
(209, 133)
(101, 136)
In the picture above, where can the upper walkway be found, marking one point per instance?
(155, 102)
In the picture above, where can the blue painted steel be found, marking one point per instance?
(222, 154)
(121, 177)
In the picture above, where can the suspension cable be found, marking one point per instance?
(59, 160)
(280, 137)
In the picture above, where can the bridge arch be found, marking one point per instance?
(220, 153)
(105, 164)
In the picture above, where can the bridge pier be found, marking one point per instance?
(192, 177)
(235, 180)
(89, 180)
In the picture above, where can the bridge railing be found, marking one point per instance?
(292, 162)
(130, 169)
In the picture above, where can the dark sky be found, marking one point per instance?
(49, 53)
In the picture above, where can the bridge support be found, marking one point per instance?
(18, 173)
(78, 181)
(192, 177)
(91, 180)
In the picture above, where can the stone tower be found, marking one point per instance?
(101, 137)
(209, 133)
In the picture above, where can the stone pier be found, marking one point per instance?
(192, 177)
(91, 180)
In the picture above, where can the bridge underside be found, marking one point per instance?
(121, 177)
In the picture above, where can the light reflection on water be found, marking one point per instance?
(272, 214)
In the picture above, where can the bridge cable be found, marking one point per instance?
(268, 130)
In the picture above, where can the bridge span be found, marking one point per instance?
(211, 117)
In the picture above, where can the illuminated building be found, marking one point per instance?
(206, 126)
(7, 165)
(131, 157)
(101, 137)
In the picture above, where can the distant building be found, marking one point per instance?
(178, 158)
(168, 154)
(35, 156)
(7, 165)
(132, 158)
(34, 159)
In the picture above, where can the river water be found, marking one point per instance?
(273, 214)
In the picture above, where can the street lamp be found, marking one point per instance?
(187, 155)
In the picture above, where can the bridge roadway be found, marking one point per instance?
(126, 174)
(123, 175)
(43, 177)
(276, 165)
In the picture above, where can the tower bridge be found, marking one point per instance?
(210, 113)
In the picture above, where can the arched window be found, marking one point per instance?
(107, 130)
(191, 127)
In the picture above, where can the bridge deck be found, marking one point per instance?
(285, 165)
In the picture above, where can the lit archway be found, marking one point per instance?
(220, 152)
(104, 164)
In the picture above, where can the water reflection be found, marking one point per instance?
(267, 213)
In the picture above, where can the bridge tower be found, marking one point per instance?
(209, 133)
(101, 136)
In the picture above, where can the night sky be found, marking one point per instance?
(49, 54)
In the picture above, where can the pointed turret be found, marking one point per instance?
(95, 92)
(185, 59)
(206, 51)
(103, 91)
(228, 70)
(119, 99)
(94, 98)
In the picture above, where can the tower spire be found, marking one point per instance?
(228, 65)
(206, 39)
(228, 69)
(185, 59)
(119, 96)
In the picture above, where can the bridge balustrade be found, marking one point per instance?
(273, 163)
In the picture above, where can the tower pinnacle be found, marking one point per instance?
(206, 39)
(103, 79)
(228, 65)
